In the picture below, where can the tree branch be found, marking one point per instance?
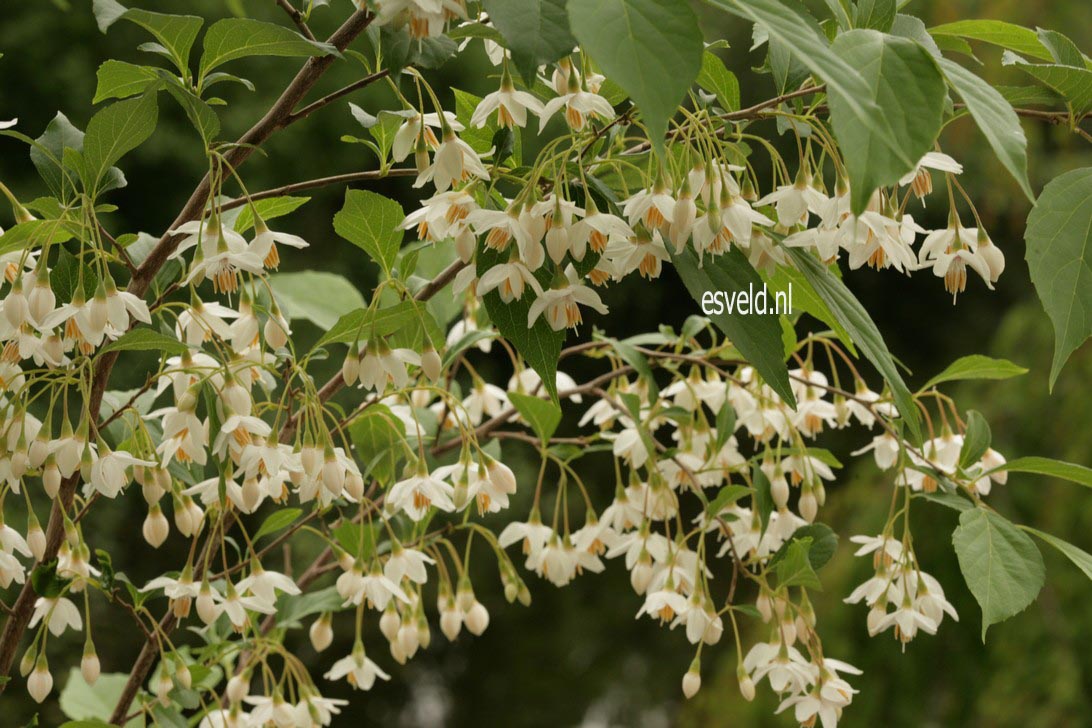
(330, 98)
(319, 182)
(297, 18)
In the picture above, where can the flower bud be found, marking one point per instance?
(89, 665)
(51, 478)
(451, 621)
(26, 664)
(322, 632)
(156, 527)
(206, 606)
(390, 623)
(809, 506)
(407, 638)
(477, 618)
(431, 364)
(182, 676)
(746, 684)
(36, 540)
(163, 687)
(691, 682)
(40, 681)
(350, 368)
(354, 485)
(237, 687)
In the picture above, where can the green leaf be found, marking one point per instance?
(824, 542)
(119, 80)
(537, 33)
(725, 425)
(291, 608)
(997, 32)
(996, 119)
(1078, 556)
(976, 366)
(268, 209)
(794, 568)
(144, 339)
(370, 221)
(726, 496)
(543, 415)
(295, 293)
(1059, 255)
(539, 345)
(758, 338)
(1046, 466)
(33, 233)
(763, 499)
(234, 38)
(639, 362)
(905, 83)
(116, 130)
(715, 77)
(804, 298)
(852, 315)
(651, 48)
(1072, 84)
(81, 701)
(1027, 95)
(378, 437)
(976, 440)
(875, 14)
(277, 521)
(1063, 50)
(858, 107)
(402, 318)
(59, 134)
(1001, 565)
(45, 580)
(949, 500)
(401, 50)
(176, 33)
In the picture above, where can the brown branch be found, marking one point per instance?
(319, 182)
(332, 97)
(297, 18)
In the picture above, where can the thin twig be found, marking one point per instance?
(332, 97)
(297, 18)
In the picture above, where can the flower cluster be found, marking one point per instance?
(719, 480)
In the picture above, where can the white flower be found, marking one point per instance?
(793, 202)
(382, 366)
(455, 161)
(108, 472)
(511, 105)
(415, 125)
(264, 244)
(579, 105)
(416, 494)
(952, 267)
(663, 604)
(200, 321)
(919, 179)
(60, 614)
(654, 208)
(264, 584)
(358, 669)
(409, 563)
(561, 306)
(509, 280)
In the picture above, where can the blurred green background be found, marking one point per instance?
(576, 656)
